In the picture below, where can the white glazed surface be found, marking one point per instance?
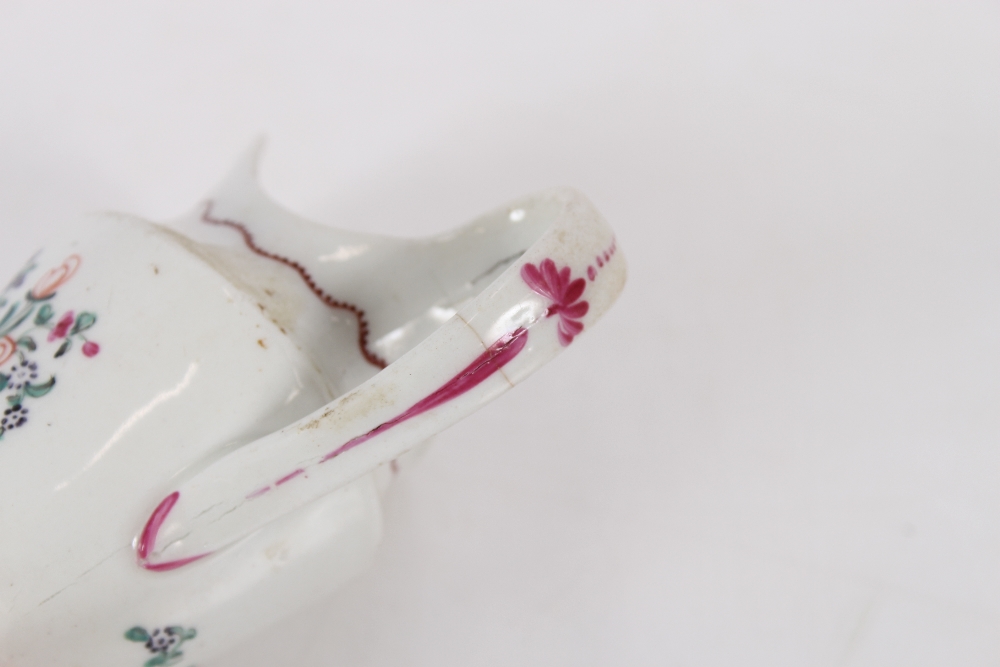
(799, 382)
(205, 348)
(80, 474)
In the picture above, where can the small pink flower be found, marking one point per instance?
(62, 328)
(555, 284)
(90, 348)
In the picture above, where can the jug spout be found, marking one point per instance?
(280, 260)
(384, 294)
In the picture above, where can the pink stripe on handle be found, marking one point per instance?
(147, 539)
(156, 519)
(170, 564)
(485, 365)
(289, 476)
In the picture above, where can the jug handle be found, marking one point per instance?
(559, 287)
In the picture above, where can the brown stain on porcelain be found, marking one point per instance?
(278, 295)
(354, 405)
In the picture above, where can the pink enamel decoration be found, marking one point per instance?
(149, 533)
(320, 454)
(488, 363)
(290, 476)
(556, 284)
(62, 328)
(484, 366)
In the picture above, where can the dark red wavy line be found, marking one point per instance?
(307, 278)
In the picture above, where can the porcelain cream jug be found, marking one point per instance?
(198, 418)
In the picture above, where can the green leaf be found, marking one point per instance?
(45, 314)
(10, 313)
(10, 326)
(14, 399)
(4, 379)
(83, 322)
(37, 390)
(27, 342)
(157, 660)
(137, 634)
(63, 349)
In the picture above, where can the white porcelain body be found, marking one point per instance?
(206, 368)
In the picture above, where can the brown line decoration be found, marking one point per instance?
(331, 302)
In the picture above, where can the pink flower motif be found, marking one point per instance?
(90, 348)
(555, 284)
(62, 328)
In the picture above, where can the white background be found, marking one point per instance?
(781, 446)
